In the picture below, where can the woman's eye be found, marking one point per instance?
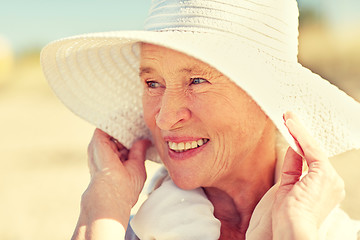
(152, 84)
(198, 80)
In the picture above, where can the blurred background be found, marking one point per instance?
(43, 168)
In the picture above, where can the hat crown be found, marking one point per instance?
(269, 25)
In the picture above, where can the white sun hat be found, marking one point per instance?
(253, 42)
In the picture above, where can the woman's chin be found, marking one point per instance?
(188, 169)
(186, 185)
(185, 179)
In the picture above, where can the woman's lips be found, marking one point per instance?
(184, 150)
(188, 145)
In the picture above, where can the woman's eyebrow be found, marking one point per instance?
(195, 70)
(144, 70)
(203, 70)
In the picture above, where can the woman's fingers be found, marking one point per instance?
(107, 154)
(312, 152)
(309, 197)
(115, 145)
(138, 150)
(101, 151)
(292, 168)
(137, 156)
(318, 162)
(135, 165)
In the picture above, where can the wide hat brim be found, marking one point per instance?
(96, 77)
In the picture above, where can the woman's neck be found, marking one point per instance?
(234, 209)
(235, 198)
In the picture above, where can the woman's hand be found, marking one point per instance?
(110, 161)
(302, 203)
(117, 178)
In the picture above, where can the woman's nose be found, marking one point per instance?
(173, 112)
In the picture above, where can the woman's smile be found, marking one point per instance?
(185, 146)
(185, 149)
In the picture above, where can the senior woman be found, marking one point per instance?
(216, 87)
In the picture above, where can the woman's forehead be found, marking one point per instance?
(154, 56)
(151, 52)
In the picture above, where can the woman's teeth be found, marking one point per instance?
(184, 146)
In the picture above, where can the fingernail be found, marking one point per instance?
(286, 115)
(287, 122)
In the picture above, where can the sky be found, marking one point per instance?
(30, 24)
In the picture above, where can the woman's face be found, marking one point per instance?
(203, 125)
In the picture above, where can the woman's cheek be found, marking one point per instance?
(221, 148)
(149, 111)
